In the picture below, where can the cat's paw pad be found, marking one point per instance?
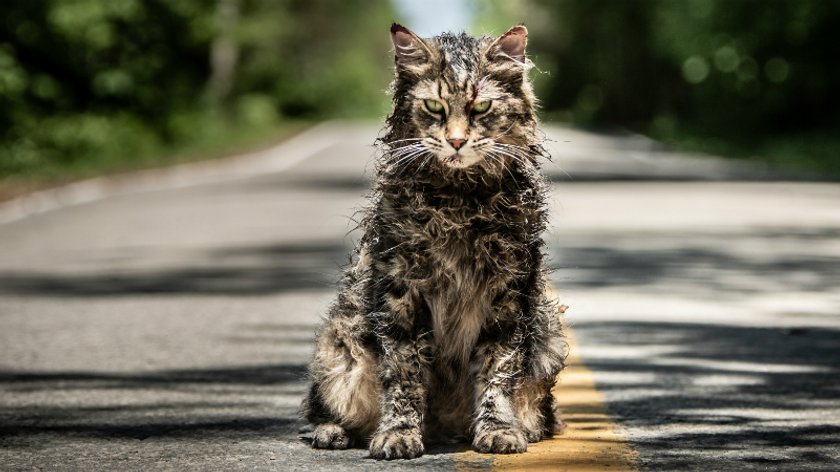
(501, 441)
(397, 444)
(534, 435)
(330, 436)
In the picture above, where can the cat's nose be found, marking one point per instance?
(457, 143)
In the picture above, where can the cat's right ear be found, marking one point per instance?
(409, 49)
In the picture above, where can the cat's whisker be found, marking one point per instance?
(506, 131)
(493, 159)
(407, 151)
(508, 154)
(505, 167)
(403, 140)
(424, 163)
(514, 147)
(523, 149)
(414, 157)
(399, 164)
(407, 159)
(409, 145)
(523, 156)
(402, 163)
(399, 152)
(516, 154)
(403, 150)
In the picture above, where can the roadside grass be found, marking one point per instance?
(219, 140)
(812, 155)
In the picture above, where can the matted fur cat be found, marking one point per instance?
(442, 329)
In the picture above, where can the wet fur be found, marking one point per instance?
(442, 328)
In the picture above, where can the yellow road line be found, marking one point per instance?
(590, 442)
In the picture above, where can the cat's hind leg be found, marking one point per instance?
(536, 410)
(344, 400)
(535, 405)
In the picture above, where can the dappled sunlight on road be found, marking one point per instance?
(707, 313)
(710, 315)
(718, 391)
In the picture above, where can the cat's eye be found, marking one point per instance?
(481, 107)
(433, 106)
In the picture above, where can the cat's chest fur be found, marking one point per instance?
(457, 300)
(459, 246)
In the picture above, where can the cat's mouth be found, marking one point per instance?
(461, 160)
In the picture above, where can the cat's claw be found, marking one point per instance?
(501, 441)
(330, 436)
(397, 444)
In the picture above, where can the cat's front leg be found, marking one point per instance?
(404, 365)
(498, 364)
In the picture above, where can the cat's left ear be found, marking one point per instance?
(511, 45)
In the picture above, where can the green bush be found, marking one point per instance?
(100, 84)
(734, 76)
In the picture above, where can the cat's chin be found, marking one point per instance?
(460, 161)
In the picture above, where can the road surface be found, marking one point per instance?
(166, 322)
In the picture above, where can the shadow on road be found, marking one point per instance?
(227, 402)
(246, 270)
(171, 379)
(690, 263)
(703, 263)
(720, 392)
(692, 395)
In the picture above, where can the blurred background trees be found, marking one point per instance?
(99, 84)
(88, 86)
(750, 78)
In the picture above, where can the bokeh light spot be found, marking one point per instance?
(777, 70)
(747, 69)
(726, 59)
(695, 69)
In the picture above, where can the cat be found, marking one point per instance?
(442, 328)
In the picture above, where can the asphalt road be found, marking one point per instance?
(165, 322)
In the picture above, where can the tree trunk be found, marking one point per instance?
(224, 52)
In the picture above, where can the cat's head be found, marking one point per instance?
(465, 102)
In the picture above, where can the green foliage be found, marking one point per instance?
(99, 83)
(321, 58)
(767, 66)
(740, 74)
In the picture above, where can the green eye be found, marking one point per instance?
(481, 107)
(433, 106)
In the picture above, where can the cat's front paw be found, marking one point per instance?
(397, 444)
(501, 441)
(330, 436)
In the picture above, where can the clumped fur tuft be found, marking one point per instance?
(442, 328)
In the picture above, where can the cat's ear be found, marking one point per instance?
(409, 49)
(510, 45)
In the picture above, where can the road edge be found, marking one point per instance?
(274, 159)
